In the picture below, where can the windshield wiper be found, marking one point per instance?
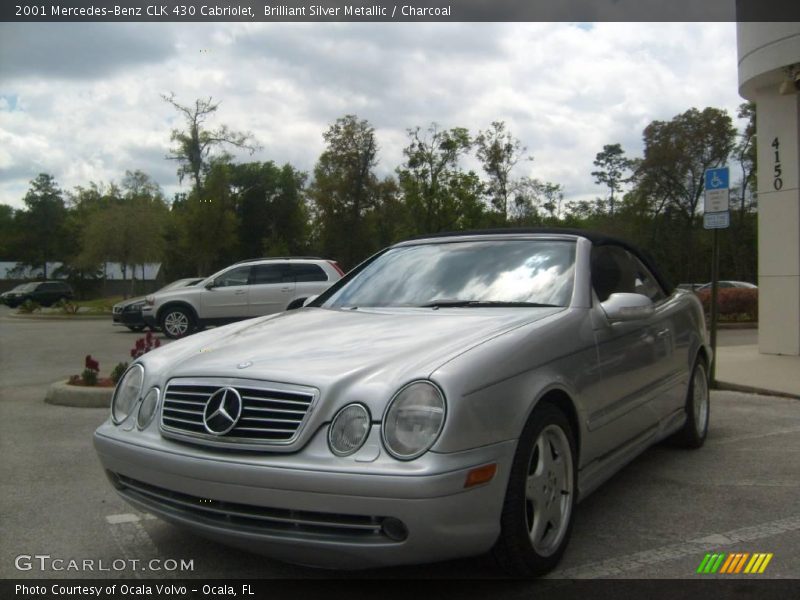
(472, 303)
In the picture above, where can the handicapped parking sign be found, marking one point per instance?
(717, 195)
(717, 179)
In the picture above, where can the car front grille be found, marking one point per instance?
(272, 414)
(246, 517)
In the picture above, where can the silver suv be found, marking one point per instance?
(247, 289)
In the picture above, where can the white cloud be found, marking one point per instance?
(564, 90)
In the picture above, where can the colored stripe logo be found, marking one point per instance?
(734, 563)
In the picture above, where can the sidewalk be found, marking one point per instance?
(742, 368)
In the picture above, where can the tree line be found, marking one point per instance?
(344, 211)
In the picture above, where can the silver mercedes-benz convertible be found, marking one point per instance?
(452, 395)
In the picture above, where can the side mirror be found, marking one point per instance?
(210, 285)
(310, 299)
(627, 307)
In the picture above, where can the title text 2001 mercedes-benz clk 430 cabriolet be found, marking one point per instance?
(450, 396)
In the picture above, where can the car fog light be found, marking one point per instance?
(348, 430)
(127, 393)
(394, 529)
(148, 408)
(413, 420)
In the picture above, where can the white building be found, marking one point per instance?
(769, 75)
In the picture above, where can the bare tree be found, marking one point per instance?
(193, 144)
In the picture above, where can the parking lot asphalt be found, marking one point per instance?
(655, 519)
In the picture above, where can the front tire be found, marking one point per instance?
(536, 521)
(698, 409)
(177, 322)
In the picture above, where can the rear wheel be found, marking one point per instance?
(537, 513)
(698, 408)
(177, 322)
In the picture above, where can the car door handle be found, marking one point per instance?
(662, 333)
(240, 292)
(286, 289)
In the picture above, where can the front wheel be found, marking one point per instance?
(177, 322)
(698, 408)
(537, 513)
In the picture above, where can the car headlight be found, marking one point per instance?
(413, 420)
(127, 393)
(148, 408)
(349, 429)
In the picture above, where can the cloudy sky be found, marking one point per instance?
(82, 100)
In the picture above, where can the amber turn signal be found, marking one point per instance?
(480, 475)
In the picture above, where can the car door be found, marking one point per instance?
(272, 289)
(310, 279)
(41, 294)
(636, 357)
(227, 298)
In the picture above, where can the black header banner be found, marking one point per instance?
(398, 10)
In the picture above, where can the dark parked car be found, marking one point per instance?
(45, 293)
(129, 312)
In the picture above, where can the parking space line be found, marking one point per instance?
(617, 566)
(133, 540)
(752, 436)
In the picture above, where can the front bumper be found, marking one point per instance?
(149, 318)
(128, 319)
(333, 516)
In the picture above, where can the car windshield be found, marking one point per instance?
(465, 274)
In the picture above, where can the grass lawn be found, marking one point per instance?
(76, 308)
(101, 305)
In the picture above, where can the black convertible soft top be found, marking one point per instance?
(597, 239)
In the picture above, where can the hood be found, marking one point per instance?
(129, 301)
(318, 347)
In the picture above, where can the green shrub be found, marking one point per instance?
(67, 307)
(89, 377)
(733, 304)
(118, 371)
(28, 307)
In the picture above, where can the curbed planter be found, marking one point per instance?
(64, 394)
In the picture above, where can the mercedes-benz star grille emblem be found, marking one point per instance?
(222, 411)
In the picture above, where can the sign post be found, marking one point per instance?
(716, 216)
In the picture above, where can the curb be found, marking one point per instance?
(63, 394)
(744, 325)
(735, 387)
(58, 317)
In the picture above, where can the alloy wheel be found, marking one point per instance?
(548, 490)
(700, 399)
(176, 323)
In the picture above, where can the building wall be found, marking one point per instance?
(769, 53)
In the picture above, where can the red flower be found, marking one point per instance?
(91, 364)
